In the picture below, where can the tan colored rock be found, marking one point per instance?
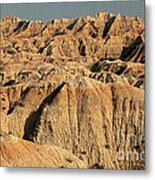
(75, 89)
(20, 153)
(104, 35)
(93, 120)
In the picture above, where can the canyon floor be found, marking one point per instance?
(72, 92)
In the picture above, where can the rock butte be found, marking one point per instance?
(72, 92)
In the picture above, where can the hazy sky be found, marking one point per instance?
(49, 11)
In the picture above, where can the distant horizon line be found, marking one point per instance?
(47, 11)
(76, 17)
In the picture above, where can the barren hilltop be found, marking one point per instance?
(72, 92)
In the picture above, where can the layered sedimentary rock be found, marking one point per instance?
(75, 88)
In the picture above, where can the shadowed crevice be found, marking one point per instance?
(22, 25)
(136, 46)
(19, 102)
(82, 48)
(33, 121)
(108, 26)
(71, 26)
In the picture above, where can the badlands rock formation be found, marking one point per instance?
(72, 92)
(16, 152)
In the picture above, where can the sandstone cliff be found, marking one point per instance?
(72, 92)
